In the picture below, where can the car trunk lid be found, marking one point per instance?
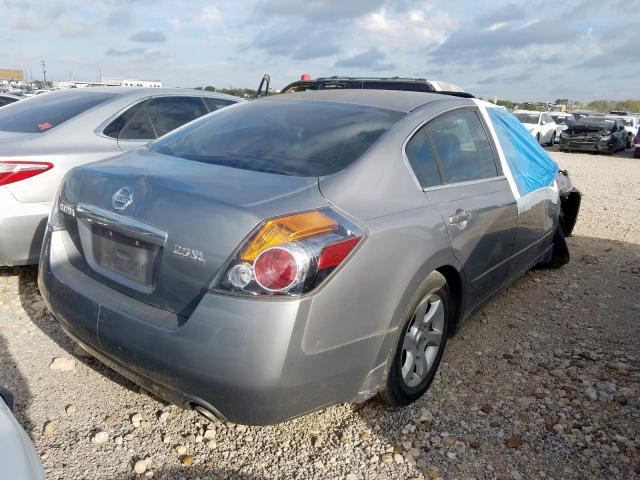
(159, 228)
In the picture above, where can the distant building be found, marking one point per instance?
(141, 83)
(110, 82)
(8, 76)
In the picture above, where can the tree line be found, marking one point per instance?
(603, 106)
(631, 106)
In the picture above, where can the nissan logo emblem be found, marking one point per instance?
(122, 198)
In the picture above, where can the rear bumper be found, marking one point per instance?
(240, 358)
(22, 227)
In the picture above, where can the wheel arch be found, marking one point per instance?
(455, 281)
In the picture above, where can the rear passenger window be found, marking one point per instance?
(217, 103)
(114, 129)
(422, 160)
(462, 147)
(139, 127)
(169, 113)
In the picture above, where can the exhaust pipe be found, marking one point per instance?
(209, 413)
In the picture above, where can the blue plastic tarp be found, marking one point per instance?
(531, 167)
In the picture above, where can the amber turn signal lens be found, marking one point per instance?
(288, 229)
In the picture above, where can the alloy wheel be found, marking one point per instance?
(422, 340)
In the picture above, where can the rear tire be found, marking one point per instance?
(538, 138)
(422, 337)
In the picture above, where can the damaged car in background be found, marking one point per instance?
(595, 134)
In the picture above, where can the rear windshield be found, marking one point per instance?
(287, 137)
(527, 117)
(44, 112)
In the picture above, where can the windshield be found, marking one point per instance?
(44, 112)
(598, 122)
(559, 119)
(528, 117)
(287, 137)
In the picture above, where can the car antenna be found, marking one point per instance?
(266, 79)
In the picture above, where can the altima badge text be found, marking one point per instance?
(122, 198)
(189, 253)
(68, 209)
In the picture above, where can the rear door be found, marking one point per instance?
(455, 162)
(148, 120)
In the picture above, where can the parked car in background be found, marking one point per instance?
(540, 124)
(371, 83)
(578, 114)
(18, 457)
(7, 98)
(292, 284)
(636, 145)
(562, 120)
(595, 134)
(631, 125)
(42, 137)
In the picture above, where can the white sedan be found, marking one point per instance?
(18, 457)
(540, 124)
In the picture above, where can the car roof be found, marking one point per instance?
(400, 100)
(145, 92)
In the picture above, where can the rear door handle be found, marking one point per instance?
(459, 217)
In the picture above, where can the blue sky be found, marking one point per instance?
(533, 50)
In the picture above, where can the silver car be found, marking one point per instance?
(18, 456)
(42, 137)
(8, 98)
(302, 250)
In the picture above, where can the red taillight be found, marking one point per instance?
(276, 269)
(14, 171)
(333, 255)
(291, 255)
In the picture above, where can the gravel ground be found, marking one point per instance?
(541, 383)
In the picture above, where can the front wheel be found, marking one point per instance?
(553, 140)
(413, 363)
(538, 137)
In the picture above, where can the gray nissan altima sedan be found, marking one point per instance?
(294, 252)
(42, 137)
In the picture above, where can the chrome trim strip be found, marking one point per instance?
(127, 225)
(464, 184)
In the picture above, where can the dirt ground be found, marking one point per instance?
(542, 383)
